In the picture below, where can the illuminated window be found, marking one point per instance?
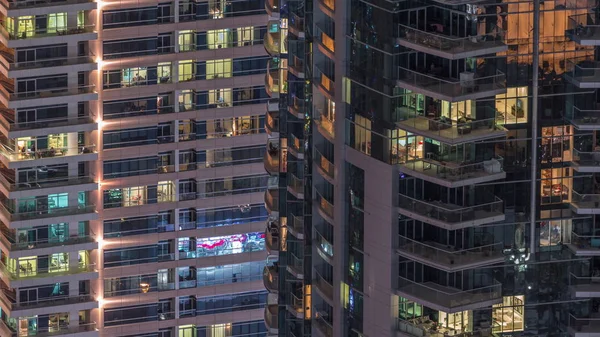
(186, 71)
(220, 97)
(218, 69)
(245, 36)
(512, 107)
(187, 331)
(362, 135)
(555, 185)
(57, 22)
(557, 144)
(458, 321)
(217, 39)
(81, 19)
(552, 233)
(164, 72)
(220, 330)
(187, 40)
(508, 315)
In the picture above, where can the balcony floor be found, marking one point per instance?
(447, 261)
(451, 135)
(426, 171)
(458, 51)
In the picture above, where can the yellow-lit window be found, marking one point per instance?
(57, 22)
(26, 27)
(186, 100)
(459, 321)
(220, 330)
(556, 185)
(81, 19)
(186, 71)
(508, 315)
(220, 97)
(557, 144)
(512, 107)
(84, 258)
(164, 72)
(58, 262)
(217, 39)
(362, 135)
(218, 69)
(187, 40)
(245, 36)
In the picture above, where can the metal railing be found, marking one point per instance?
(324, 164)
(14, 215)
(584, 69)
(584, 25)
(18, 4)
(53, 92)
(54, 301)
(46, 123)
(452, 88)
(584, 116)
(449, 297)
(447, 128)
(439, 253)
(442, 42)
(587, 325)
(323, 324)
(585, 200)
(451, 213)
(23, 272)
(296, 184)
(296, 144)
(582, 241)
(26, 245)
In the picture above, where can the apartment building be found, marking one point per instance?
(132, 183)
(437, 168)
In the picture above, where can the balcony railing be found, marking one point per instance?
(584, 71)
(296, 225)
(53, 62)
(451, 213)
(448, 130)
(324, 205)
(324, 164)
(473, 45)
(587, 283)
(323, 324)
(271, 320)
(296, 145)
(330, 4)
(326, 125)
(19, 4)
(272, 6)
(296, 185)
(46, 123)
(323, 285)
(54, 301)
(15, 215)
(587, 158)
(325, 39)
(272, 200)
(54, 92)
(297, 107)
(424, 329)
(583, 27)
(324, 82)
(272, 122)
(447, 297)
(271, 278)
(585, 118)
(584, 326)
(27, 154)
(47, 332)
(295, 263)
(46, 32)
(272, 241)
(37, 244)
(436, 253)
(453, 88)
(583, 241)
(582, 200)
(46, 183)
(26, 273)
(455, 171)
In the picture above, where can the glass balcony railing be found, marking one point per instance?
(46, 32)
(10, 242)
(324, 245)
(588, 242)
(20, 4)
(58, 330)
(27, 154)
(324, 286)
(296, 264)
(15, 215)
(272, 241)
(420, 327)
(297, 107)
(584, 28)
(445, 44)
(272, 200)
(451, 131)
(325, 125)
(272, 122)
(296, 226)
(450, 257)
(322, 323)
(54, 62)
(46, 123)
(53, 301)
(271, 278)
(587, 158)
(54, 92)
(296, 24)
(324, 82)
(325, 39)
(446, 297)
(274, 43)
(271, 321)
(45, 183)
(585, 201)
(585, 118)
(271, 161)
(451, 213)
(295, 185)
(454, 172)
(324, 164)
(26, 273)
(585, 283)
(584, 326)
(296, 146)
(324, 205)
(583, 72)
(296, 66)
(452, 89)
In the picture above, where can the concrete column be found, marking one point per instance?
(176, 160)
(176, 10)
(176, 95)
(72, 144)
(176, 129)
(73, 228)
(175, 72)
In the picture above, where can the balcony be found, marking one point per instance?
(296, 107)
(295, 266)
(324, 246)
(449, 258)
(448, 299)
(327, 7)
(455, 174)
(325, 41)
(584, 287)
(27, 274)
(295, 226)
(452, 47)
(586, 162)
(585, 203)
(275, 39)
(452, 216)
(296, 306)
(295, 186)
(19, 159)
(325, 207)
(453, 132)
(585, 119)
(9, 215)
(272, 240)
(296, 25)
(44, 127)
(325, 126)
(52, 66)
(271, 278)
(50, 96)
(14, 190)
(272, 123)
(423, 327)
(271, 158)
(468, 87)
(17, 249)
(324, 166)
(296, 66)
(584, 29)
(296, 146)
(272, 201)
(271, 320)
(584, 244)
(322, 323)
(24, 38)
(82, 330)
(272, 8)
(26, 4)
(324, 83)
(324, 287)
(80, 302)
(583, 73)
(584, 327)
